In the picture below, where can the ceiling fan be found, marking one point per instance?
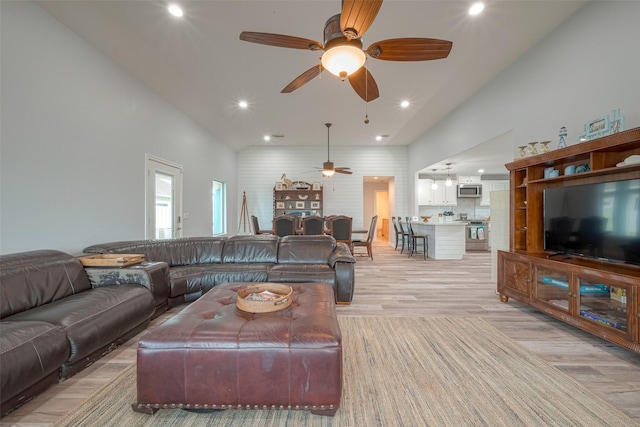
(327, 167)
(343, 54)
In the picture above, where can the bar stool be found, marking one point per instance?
(414, 239)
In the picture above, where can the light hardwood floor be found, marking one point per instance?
(395, 285)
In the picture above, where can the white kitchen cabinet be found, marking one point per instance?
(469, 179)
(488, 187)
(442, 196)
(425, 193)
(446, 196)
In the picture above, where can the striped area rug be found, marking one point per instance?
(404, 372)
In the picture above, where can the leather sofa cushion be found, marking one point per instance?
(29, 351)
(185, 279)
(251, 249)
(302, 273)
(237, 272)
(185, 251)
(32, 279)
(93, 319)
(305, 249)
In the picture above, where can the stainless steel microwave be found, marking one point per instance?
(469, 190)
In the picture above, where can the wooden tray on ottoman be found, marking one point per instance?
(281, 297)
(111, 260)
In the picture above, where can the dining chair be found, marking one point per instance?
(312, 225)
(369, 240)
(256, 226)
(399, 232)
(403, 233)
(340, 229)
(414, 239)
(284, 225)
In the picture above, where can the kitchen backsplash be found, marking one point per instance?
(471, 207)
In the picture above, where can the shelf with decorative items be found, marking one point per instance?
(297, 198)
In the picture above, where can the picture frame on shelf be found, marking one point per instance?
(316, 186)
(279, 205)
(299, 205)
(279, 186)
(315, 205)
(597, 128)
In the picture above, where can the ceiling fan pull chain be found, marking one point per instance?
(366, 95)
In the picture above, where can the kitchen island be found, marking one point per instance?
(446, 240)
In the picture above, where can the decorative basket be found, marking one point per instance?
(277, 297)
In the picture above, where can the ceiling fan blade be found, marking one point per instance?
(364, 84)
(303, 78)
(410, 49)
(343, 170)
(280, 40)
(357, 16)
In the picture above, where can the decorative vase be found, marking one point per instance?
(523, 153)
(544, 148)
(532, 149)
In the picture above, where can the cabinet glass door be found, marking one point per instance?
(552, 287)
(605, 304)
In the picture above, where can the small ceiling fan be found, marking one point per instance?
(327, 167)
(343, 54)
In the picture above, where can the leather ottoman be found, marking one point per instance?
(213, 356)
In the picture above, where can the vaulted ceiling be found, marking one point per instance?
(199, 64)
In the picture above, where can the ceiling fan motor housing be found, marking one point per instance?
(333, 36)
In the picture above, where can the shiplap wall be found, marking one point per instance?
(260, 167)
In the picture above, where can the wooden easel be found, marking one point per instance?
(244, 216)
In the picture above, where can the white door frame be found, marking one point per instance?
(155, 164)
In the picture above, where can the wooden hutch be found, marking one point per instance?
(560, 286)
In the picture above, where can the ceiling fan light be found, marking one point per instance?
(343, 61)
(328, 169)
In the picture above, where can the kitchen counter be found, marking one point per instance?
(446, 240)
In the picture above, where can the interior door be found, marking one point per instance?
(163, 199)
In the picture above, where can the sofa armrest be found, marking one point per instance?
(341, 254)
(152, 275)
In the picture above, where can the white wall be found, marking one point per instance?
(75, 130)
(260, 167)
(586, 68)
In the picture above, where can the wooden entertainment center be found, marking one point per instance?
(598, 296)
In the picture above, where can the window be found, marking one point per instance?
(218, 201)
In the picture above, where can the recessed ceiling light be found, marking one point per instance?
(480, 170)
(175, 10)
(379, 138)
(267, 138)
(243, 104)
(405, 104)
(476, 8)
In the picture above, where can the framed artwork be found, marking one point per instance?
(279, 186)
(279, 205)
(315, 205)
(299, 205)
(597, 128)
(316, 186)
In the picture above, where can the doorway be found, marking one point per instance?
(376, 193)
(163, 206)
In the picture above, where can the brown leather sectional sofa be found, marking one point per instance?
(197, 264)
(56, 317)
(55, 323)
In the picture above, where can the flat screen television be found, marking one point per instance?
(600, 220)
